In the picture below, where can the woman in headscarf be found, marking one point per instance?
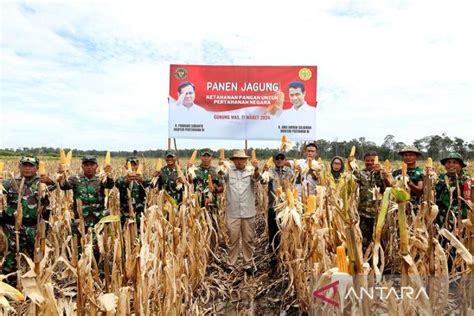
(337, 168)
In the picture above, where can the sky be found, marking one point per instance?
(95, 74)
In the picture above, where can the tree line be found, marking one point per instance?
(434, 146)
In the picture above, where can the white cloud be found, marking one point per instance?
(95, 74)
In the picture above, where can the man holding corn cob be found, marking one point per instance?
(305, 170)
(207, 184)
(369, 180)
(89, 188)
(240, 212)
(32, 191)
(452, 190)
(136, 183)
(171, 178)
(410, 155)
(280, 178)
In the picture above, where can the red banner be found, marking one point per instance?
(273, 97)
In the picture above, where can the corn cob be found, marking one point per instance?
(341, 259)
(10, 291)
(41, 168)
(311, 204)
(193, 157)
(295, 163)
(269, 162)
(290, 198)
(429, 163)
(62, 157)
(295, 193)
(209, 183)
(353, 151)
(387, 166)
(279, 191)
(107, 159)
(254, 155)
(310, 163)
(69, 157)
(158, 165)
(404, 169)
(376, 160)
(221, 154)
(2, 165)
(129, 166)
(140, 169)
(283, 139)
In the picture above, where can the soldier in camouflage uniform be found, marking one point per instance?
(368, 179)
(448, 198)
(169, 179)
(280, 176)
(410, 154)
(201, 186)
(137, 184)
(32, 205)
(90, 189)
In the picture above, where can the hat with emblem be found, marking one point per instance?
(453, 155)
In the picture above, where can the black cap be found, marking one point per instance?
(29, 159)
(89, 158)
(278, 154)
(170, 152)
(206, 151)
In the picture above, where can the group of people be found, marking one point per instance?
(29, 192)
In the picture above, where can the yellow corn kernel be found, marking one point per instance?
(41, 168)
(158, 165)
(193, 157)
(429, 162)
(290, 198)
(62, 157)
(311, 204)
(221, 154)
(342, 265)
(387, 166)
(107, 159)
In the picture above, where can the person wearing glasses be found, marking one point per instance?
(29, 192)
(281, 176)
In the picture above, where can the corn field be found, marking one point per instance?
(166, 265)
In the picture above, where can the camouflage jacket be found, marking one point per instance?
(201, 184)
(30, 200)
(367, 181)
(447, 195)
(415, 175)
(168, 181)
(279, 177)
(91, 191)
(137, 194)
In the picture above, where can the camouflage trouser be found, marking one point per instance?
(366, 225)
(27, 245)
